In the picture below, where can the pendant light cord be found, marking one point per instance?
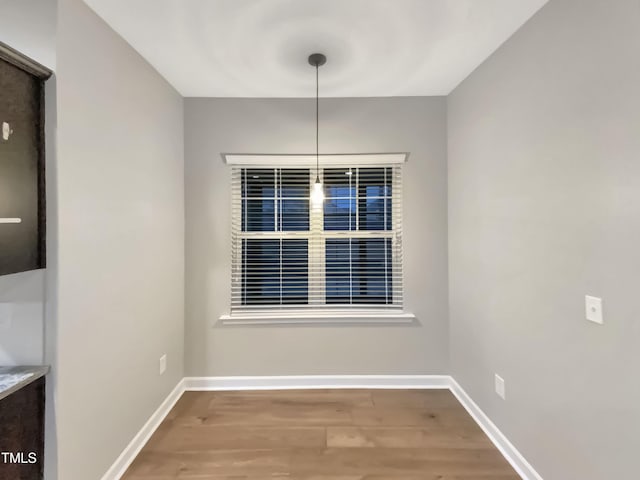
(317, 126)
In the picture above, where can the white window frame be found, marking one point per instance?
(288, 315)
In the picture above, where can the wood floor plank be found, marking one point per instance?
(275, 416)
(293, 398)
(319, 435)
(415, 398)
(416, 417)
(190, 402)
(214, 462)
(406, 437)
(185, 438)
(400, 461)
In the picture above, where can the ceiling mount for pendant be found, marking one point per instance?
(317, 59)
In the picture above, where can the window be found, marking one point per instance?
(288, 254)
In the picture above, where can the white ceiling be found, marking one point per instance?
(259, 48)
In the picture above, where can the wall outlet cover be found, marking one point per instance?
(593, 309)
(500, 388)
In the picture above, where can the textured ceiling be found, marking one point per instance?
(259, 48)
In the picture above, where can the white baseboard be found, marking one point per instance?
(502, 443)
(132, 450)
(315, 382)
(510, 453)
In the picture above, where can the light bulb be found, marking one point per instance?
(317, 194)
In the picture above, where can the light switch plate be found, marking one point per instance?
(593, 309)
(500, 388)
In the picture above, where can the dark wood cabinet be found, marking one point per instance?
(22, 433)
(22, 163)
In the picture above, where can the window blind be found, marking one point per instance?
(288, 254)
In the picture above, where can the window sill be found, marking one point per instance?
(322, 318)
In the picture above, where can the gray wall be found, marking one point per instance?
(212, 126)
(117, 242)
(544, 207)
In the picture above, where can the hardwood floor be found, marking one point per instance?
(320, 435)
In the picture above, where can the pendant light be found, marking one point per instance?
(317, 194)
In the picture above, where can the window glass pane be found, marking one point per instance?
(260, 272)
(294, 183)
(294, 215)
(358, 271)
(274, 272)
(258, 200)
(340, 202)
(295, 272)
(260, 197)
(388, 215)
(372, 213)
(258, 215)
(340, 214)
(371, 271)
(258, 182)
(374, 182)
(374, 202)
(339, 183)
(338, 271)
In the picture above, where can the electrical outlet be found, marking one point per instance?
(593, 309)
(163, 364)
(500, 389)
